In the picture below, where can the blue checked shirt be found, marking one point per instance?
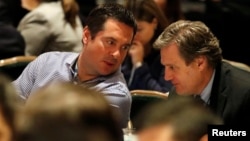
(58, 66)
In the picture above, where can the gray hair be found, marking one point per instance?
(193, 38)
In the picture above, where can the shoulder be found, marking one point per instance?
(114, 84)
(11, 41)
(50, 10)
(9, 32)
(52, 65)
(234, 82)
(48, 7)
(55, 57)
(43, 13)
(57, 54)
(32, 18)
(7, 29)
(234, 73)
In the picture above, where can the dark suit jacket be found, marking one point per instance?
(230, 95)
(11, 42)
(150, 76)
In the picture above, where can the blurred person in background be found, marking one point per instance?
(171, 9)
(51, 25)
(8, 108)
(16, 11)
(67, 112)
(142, 68)
(193, 63)
(11, 41)
(85, 6)
(179, 119)
(107, 36)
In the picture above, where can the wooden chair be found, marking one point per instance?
(141, 99)
(148, 93)
(13, 67)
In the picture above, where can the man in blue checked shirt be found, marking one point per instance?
(107, 36)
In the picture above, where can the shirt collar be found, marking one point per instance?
(205, 94)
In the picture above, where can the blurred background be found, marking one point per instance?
(228, 19)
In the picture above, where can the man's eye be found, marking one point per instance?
(126, 47)
(171, 67)
(139, 29)
(110, 42)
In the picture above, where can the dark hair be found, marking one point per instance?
(147, 10)
(68, 112)
(70, 9)
(193, 39)
(173, 11)
(85, 6)
(99, 15)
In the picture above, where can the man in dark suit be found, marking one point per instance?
(193, 63)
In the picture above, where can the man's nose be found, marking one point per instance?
(168, 75)
(116, 53)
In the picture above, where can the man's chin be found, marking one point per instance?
(180, 92)
(108, 72)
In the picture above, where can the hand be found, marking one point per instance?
(136, 52)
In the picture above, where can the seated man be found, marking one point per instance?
(67, 112)
(193, 63)
(107, 36)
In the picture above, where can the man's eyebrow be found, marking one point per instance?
(112, 38)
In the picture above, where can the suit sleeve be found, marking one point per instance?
(143, 79)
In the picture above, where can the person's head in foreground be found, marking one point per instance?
(67, 112)
(179, 119)
(190, 53)
(8, 108)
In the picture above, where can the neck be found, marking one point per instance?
(83, 71)
(30, 5)
(207, 78)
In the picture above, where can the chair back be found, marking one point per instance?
(239, 65)
(141, 99)
(13, 67)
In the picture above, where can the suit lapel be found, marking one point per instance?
(219, 92)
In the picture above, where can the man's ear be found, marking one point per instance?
(201, 62)
(204, 138)
(86, 35)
